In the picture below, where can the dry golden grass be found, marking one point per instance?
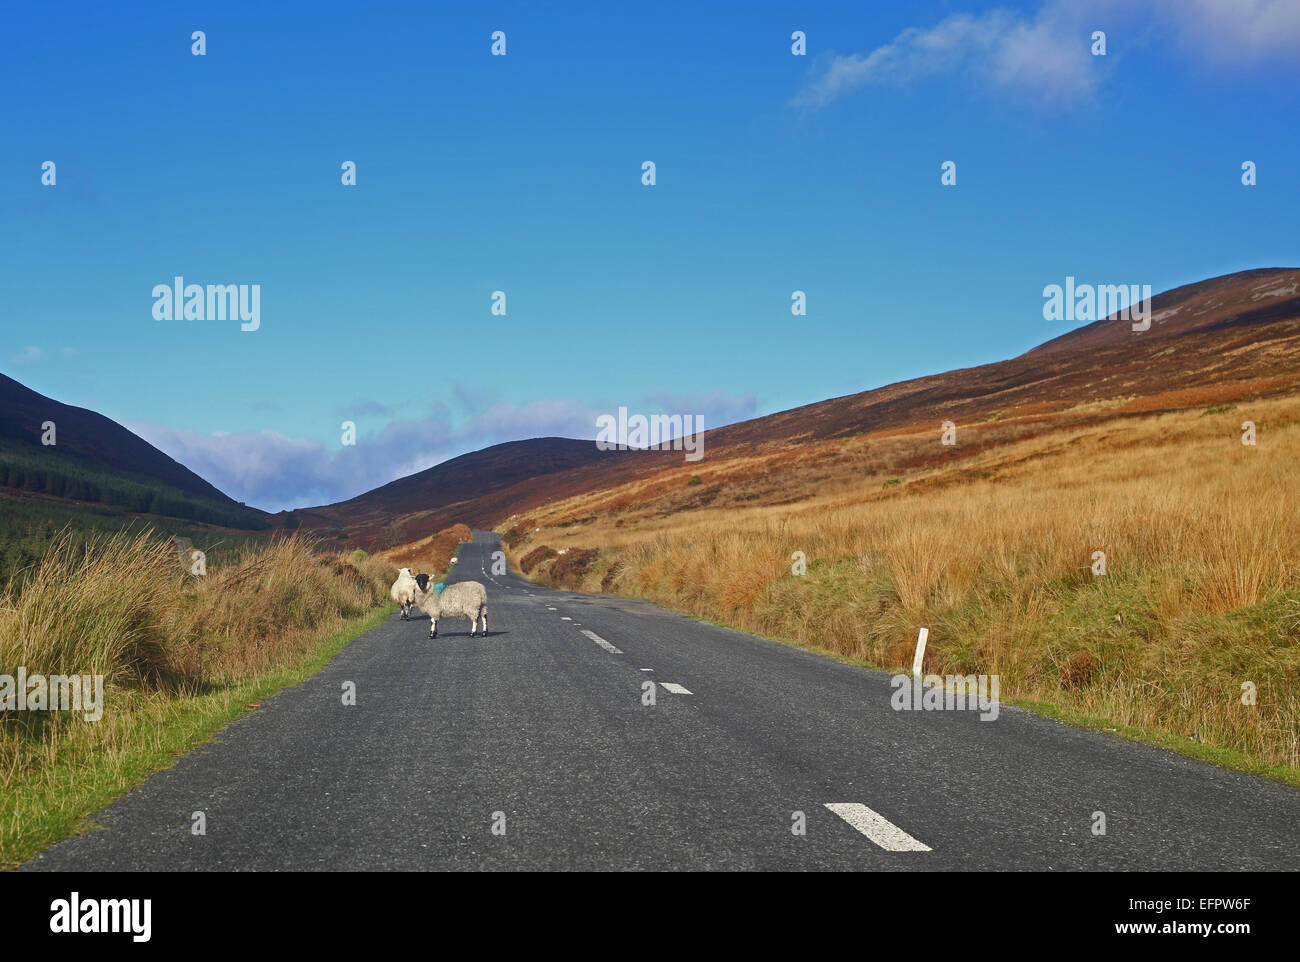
(123, 607)
(992, 551)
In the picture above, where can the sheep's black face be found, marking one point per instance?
(422, 581)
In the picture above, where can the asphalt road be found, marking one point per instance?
(534, 748)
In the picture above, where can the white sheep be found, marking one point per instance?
(467, 599)
(403, 591)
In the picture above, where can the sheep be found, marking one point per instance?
(465, 598)
(403, 591)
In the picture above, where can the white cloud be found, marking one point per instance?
(265, 468)
(1236, 32)
(273, 470)
(1046, 56)
(548, 417)
(28, 355)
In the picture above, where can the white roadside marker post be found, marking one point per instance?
(920, 652)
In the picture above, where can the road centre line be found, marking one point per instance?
(877, 828)
(601, 641)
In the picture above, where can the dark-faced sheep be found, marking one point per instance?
(466, 599)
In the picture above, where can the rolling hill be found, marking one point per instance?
(473, 489)
(95, 460)
(1211, 343)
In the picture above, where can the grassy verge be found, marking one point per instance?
(1223, 757)
(171, 653)
(38, 811)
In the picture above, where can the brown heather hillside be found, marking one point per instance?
(1225, 340)
(475, 489)
(1236, 301)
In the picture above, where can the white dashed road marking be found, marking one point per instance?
(877, 828)
(565, 618)
(601, 641)
(673, 687)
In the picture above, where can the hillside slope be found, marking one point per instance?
(95, 459)
(1237, 301)
(474, 489)
(1213, 342)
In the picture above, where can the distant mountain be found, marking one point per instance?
(1226, 338)
(472, 489)
(478, 473)
(95, 459)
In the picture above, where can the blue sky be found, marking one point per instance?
(522, 173)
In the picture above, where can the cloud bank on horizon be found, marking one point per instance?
(275, 471)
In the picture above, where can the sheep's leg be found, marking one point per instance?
(484, 614)
(473, 623)
(433, 626)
